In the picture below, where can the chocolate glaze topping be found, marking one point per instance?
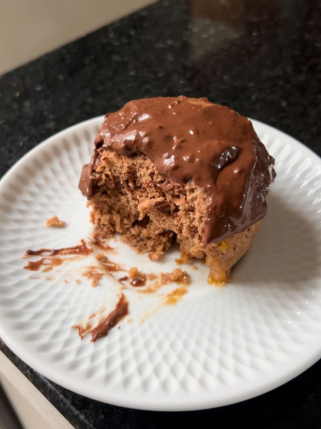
(193, 139)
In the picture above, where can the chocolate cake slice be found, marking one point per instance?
(182, 169)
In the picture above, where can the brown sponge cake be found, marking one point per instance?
(182, 169)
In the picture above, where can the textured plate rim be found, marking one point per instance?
(141, 401)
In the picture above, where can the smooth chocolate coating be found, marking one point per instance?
(193, 139)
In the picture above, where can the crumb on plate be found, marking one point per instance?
(55, 222)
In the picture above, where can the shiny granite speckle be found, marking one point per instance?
(261, 58)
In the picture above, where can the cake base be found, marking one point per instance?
(150, 211)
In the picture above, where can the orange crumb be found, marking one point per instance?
(176, 276)
(219, 278)
(132, 272)
(183, 259)
(223, 245)
(176, 295)
(54, 222)
(93, 274)
(151, 289)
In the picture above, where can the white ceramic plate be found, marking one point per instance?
(216, 346)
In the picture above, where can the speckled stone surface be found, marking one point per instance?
(262, 58)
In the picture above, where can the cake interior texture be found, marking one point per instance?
(152, 204)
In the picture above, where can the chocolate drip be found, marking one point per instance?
(138, 282)
(86, 182)
(80, 249)
(119, 312)
(193, 139)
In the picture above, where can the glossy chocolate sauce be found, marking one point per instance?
(80, 249)
(193, 139)
(138, 282)
(120, 311)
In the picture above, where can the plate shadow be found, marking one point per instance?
(287, 249)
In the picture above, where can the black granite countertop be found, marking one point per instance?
(263, 58)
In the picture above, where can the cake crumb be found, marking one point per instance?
(93, 274)
(151, 276)
(132, 272)
(77, 281)
(65, 281)
(176, 276)
(55, 222)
